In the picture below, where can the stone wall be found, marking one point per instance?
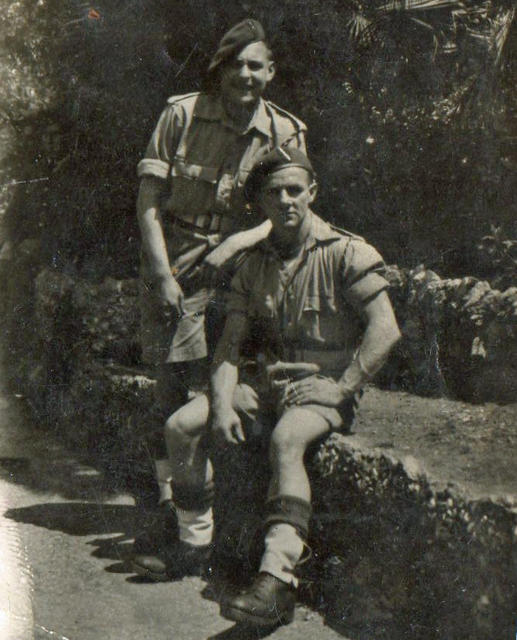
(395, 553)
(410, 557)
(459, 335)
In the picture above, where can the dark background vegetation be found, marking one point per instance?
(411, 110)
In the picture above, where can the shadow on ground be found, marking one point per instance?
(243, 632)
(65, 476)
(86, 519)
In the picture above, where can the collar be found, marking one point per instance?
(209, 107)
(320, 232)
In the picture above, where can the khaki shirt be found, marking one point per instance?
(314, 303)
(206, 159)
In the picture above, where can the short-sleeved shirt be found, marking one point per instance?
(311, 304)
(205, 161)
(206, 158)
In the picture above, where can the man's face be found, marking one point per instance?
(244, 78)
(286, 196)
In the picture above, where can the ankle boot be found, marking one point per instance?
(173, 562)
(158, 531)
(268, 602)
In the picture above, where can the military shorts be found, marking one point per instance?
(260, 412)
(164, 340)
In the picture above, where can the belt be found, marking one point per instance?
(193, 227)
(213, 238)
(328, 360)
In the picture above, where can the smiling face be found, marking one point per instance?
(244, 78)
(286, 196)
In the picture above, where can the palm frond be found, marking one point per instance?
(419, 5)
(360, 29)
(502, 25)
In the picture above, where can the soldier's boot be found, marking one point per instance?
(175, 561)
(189, 551)
(268, 602)
(271, 598)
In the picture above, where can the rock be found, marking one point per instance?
(459, 336)
(397, 559)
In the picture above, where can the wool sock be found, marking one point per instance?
(284, 549)
(196, 527)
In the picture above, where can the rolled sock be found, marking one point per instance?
(284, 549)
(196, 527)
(163, 478)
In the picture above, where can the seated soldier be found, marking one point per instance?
(319, 296)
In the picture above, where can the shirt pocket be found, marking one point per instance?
(319, 321)
(193, 187)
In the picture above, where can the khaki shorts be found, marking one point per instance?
(189, 338)
(259, 412)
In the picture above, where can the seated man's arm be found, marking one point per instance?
(226, 423)
(149, 219)
(380, 336)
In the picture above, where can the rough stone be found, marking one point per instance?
(459, 335)
(395, 553)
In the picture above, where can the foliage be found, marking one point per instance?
(411, 108)
(498, 255)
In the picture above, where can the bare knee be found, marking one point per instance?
(285, 446)
(187, 423)
(176, 432)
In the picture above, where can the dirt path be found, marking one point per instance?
(471, 446)
(64, 540)
(65, 536)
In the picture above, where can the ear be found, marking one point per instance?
(313, 191)
(271, 70)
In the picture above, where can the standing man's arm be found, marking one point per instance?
(149, 218)
(243, 240)
(226, 423)
(235, 243)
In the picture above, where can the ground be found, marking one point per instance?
(64, 540)
(66, 534)
(472, 446)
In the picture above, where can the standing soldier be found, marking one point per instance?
(194, 225)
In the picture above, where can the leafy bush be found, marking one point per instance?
(411, 115)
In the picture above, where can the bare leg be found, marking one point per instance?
(295, 431)
(271, 598)
(184, 431)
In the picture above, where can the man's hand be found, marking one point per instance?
(227, 427)
(279, 373)
(170, 297)
(315, 389)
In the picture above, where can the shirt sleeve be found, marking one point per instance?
(363, 273)
(238, 299)
(160, 152)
